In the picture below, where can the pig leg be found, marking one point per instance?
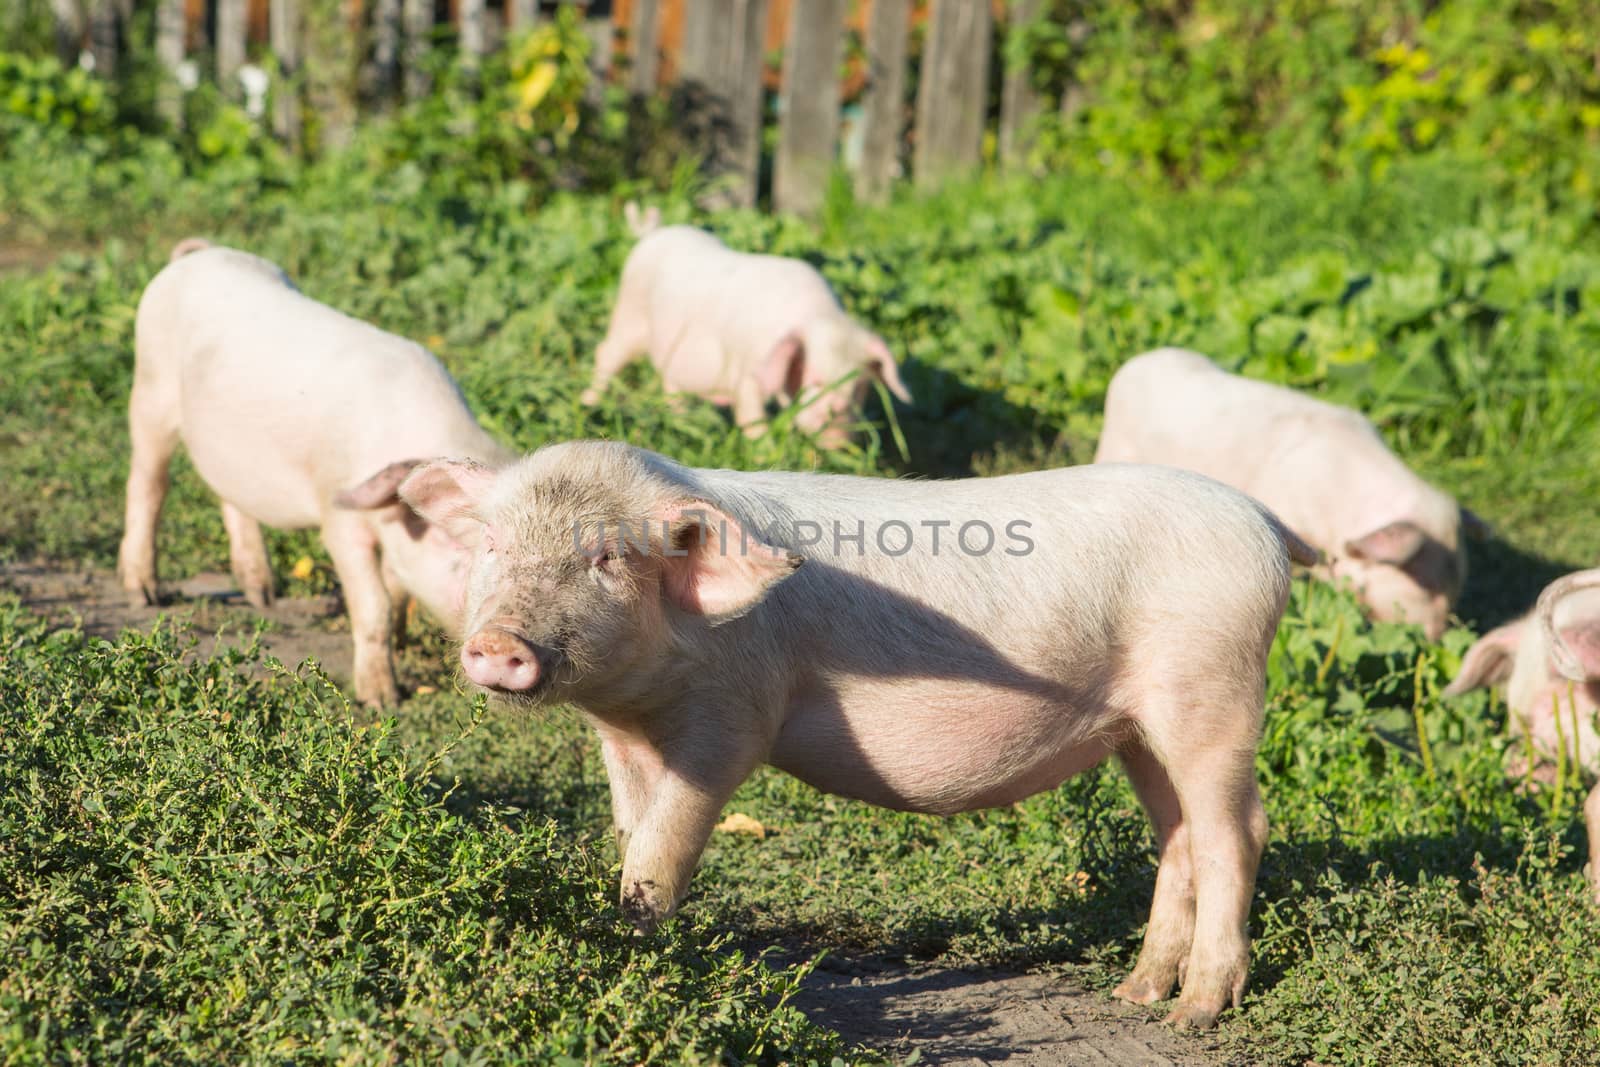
(399, 604)
(354, 550)
(633, 768)
(1227, 830)
(624, 341)
(1591, 817)
(701, 768)
(247, 553)
(153, 430)
(1170, 933)
(750, 408)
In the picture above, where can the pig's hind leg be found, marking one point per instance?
(1169, 934)
(153, 432)
(1200, 752)
(247, 556)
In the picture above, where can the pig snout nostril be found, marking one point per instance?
(496, 659)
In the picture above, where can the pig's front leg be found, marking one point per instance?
(750, 408)
(633, 767)
(354, 550)
(1591, 816)
(700, 769)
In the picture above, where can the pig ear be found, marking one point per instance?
(1489, 661)
(447, 493)
(1395, 543)
(378, 491)
(713, 566)
(784, 368)
(882, 364)
(1475, 526)
(1575, 648)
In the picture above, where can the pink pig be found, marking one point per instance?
(1549, 661)
(284, 405)
(740, 329)
(1321, 468)
(947, 646)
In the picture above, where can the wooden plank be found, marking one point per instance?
(883, 105)
(283, 27)
(383, 70)
(416, 17)
(232, 30)
(471, 36)
(808, 137)
(954, 92)
(1019, 100)
(720, 91)
(644, 46)
(524, 15)
(103, 36)
(68, 23)
(169, 53)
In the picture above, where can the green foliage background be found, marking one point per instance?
(1386, 205)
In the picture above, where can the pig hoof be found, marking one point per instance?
(1193, 1017)
(259, 596)
(590, 398)
(643, 906)
(1137, 990)
(383, 694)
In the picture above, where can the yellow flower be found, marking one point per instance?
(302, 568)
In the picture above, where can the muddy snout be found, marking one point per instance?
(498, 659)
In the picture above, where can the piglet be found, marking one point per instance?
(740, 329)
(925, 646)
(295, 415)
(1549, 662)
(1321, 468)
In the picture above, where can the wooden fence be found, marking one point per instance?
(712, 55)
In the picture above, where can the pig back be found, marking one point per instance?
(285, 401)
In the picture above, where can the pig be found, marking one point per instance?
(1321, 468)
(295, 415)
(740, 329)
(1062, 617)
(1549, 662)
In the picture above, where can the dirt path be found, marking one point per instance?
(948, 1015)
(207, 603)
(971, 1017)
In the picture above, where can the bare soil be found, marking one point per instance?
(207, 603)
(947, 1015)
(964, 1017)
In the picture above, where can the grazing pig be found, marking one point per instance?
(945, 647)
(1322, 469)
(1549, 661)
(285, 405)
(740, 329)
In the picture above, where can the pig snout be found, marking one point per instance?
(498, 659)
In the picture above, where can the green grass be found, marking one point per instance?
(271, 886)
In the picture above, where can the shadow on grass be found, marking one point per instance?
(1503, 581)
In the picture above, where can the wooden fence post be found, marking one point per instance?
(473, 40)
(721, 70)
(883, 108)
(103, 36)
(1019, 100)
(524, 14)
(644, 43)
(417, 18)
(954, 92)
(384, 72)
(170, 24)
(68, 19)
(808, 137)
(284, 28)
(231, 32)
(597, 27)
